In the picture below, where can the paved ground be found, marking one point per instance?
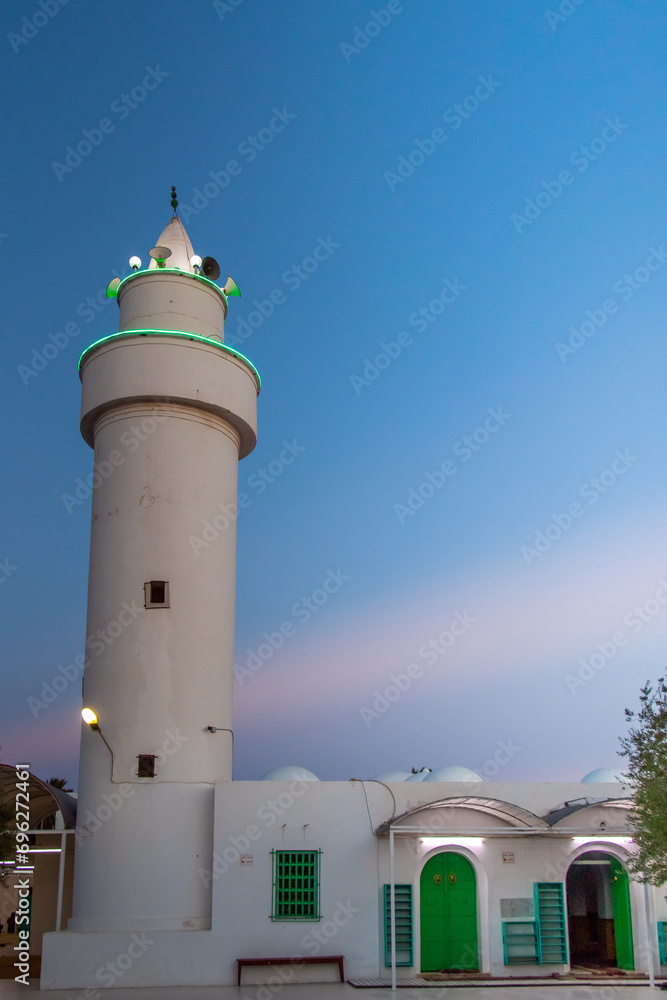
(10, 990)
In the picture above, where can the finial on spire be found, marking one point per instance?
(174, 201)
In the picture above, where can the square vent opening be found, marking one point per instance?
(156, 593)
(146, 765)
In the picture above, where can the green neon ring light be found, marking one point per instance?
(171, 333)
(174, 270)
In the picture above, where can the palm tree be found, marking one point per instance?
(59, 783)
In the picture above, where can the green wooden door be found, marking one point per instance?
(448, 912)
(620, 894)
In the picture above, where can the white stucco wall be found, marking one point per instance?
(254, 818)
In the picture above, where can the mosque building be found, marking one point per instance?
(183, 877)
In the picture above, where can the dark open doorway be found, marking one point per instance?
(598, 909)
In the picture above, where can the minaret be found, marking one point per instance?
(169, 410)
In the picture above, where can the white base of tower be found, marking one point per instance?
(251, 820)
(176, 958)
(75, 961)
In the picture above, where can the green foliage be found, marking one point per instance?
(645, 747)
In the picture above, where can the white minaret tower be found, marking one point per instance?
(169, 411)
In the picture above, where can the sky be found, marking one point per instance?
(459, 209)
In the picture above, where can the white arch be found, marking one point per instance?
(641, 932)
(482, 889)
(618, 851)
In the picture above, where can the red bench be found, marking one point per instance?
(300, 960)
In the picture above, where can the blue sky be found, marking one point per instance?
(471, 378)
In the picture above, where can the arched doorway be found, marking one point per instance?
(448, 911)
(598, 912)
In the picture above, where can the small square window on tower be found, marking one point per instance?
(146, 765)
(156, 593)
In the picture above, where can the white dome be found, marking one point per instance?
(289, 772)
(421, 776)
(453, 773)
(604, 774)
(392, 776)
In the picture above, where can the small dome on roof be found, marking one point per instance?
(289, 772)
(392, 776)
(420, 776)
(604, 774)
(453, 773)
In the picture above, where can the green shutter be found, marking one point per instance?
(403, 911)
(620, 894)
(550, 913)
(661, 941)
(520, 942)
(296, 885)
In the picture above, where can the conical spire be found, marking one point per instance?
(175, 237)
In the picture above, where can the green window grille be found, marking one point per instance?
(662, 928)
(520, 942)
(403, 911)
(296, 885)
(550, 911)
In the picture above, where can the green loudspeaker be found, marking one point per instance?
(231, 288)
